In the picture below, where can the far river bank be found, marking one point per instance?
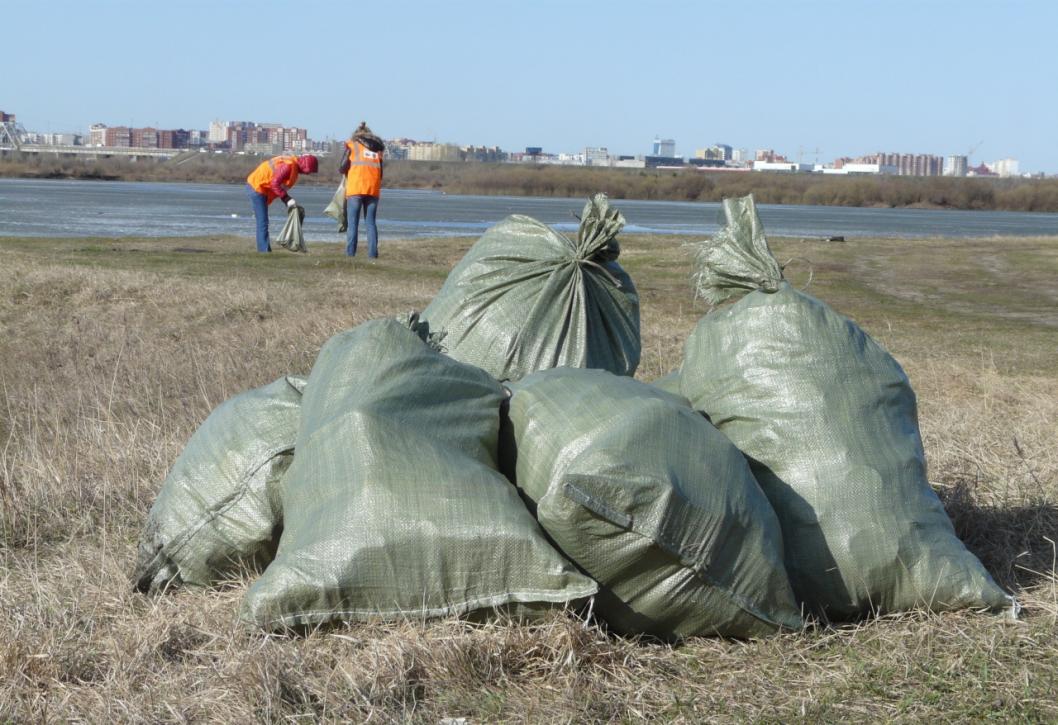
(480, 179)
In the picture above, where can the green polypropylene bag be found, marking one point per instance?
(394, 506)
(669, 383)
(652, 502)
(219, 510)
(291, 237)
(336, 208)
(527, 298)
(829, 423)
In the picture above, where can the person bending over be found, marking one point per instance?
(272, 180)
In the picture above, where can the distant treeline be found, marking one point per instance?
(573, 181)
(768, 188)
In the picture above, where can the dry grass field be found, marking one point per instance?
(114, 351)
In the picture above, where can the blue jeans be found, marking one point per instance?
(259, 202)
(352, 215)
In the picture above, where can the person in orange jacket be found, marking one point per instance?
(271, 180)
(361, 165)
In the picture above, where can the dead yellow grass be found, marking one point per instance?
(115, 351)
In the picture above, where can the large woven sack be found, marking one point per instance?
(219, 511)
(650, 500)
(527, 298)
(669, 383)
(828, 420)
(394, 507)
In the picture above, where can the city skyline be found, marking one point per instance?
(271, 137)
(846, 78)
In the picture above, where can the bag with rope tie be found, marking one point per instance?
(829, 423)
(526, 298)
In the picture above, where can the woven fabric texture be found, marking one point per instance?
(669, 383)
(829, 423)
(651, 501)
(394, 505)
(219, 509)
(527, 298)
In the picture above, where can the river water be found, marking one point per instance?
(47, 208)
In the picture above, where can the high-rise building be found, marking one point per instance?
(117, 136)
(907, 164)
(1004, 167)
(769, 156)
(218, 131)
(956, 166)
(484, 154)
(262, 138)
(717, 152)
(176, 138)
(60, 139)
(429, 151)
(100, 134)
(663, 147)
(143, 138)
(97, 134)
(596, 156)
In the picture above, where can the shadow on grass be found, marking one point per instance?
(1015, 542)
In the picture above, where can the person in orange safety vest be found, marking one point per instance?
(271, 180)
(361, 165)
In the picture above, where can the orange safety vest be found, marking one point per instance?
(365, 171)
(261, 177)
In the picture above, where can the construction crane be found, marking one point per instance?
(801, 151)
(971, 151)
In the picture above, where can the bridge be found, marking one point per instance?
(94, 152)
(12, 140)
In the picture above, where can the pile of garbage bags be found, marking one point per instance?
(495, 454)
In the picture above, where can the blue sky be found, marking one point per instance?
(848, 78)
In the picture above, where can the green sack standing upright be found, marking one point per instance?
(828, 421)
(527, 298)
(394, 507)
(651, 501)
